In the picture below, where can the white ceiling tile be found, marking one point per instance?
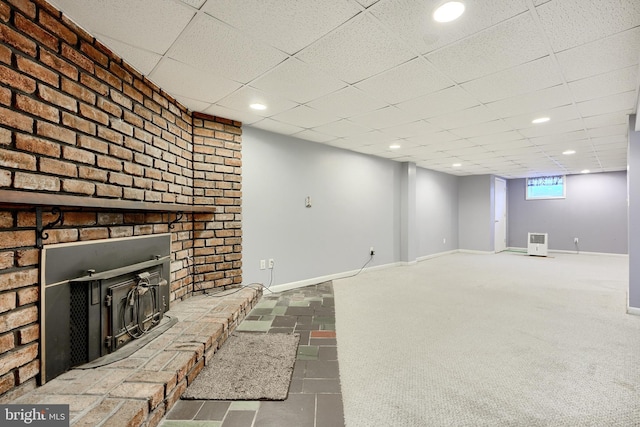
(435, 138)
(242, 116)
(608, 131)
(570, 23)
(368, 149)
(197, 4)
(585, 160)
(532, 102)
(181, 79)
(305, 117)
(120, 20)
(247, 95)
(357, 50)
(580, 147)
(384, 118)
(498, 48)
(445, 146)
(461, 118)
(369, 138)
(617, 81)
(425, 152)
(529, 155)
(496, 146)
(528, 77)
(447, 161)
(558, 114)
(211, 45)
(559, 138)
(576, 167)
(412, 20)
(404, 146)
(367, 3)
(439, 103)
(192, 104)
(392, 155)
(613, 153)
(465, 153)
(612, 139)
(508, 137)
(606, 120)
(141, 59)
(277, 127)
(484, 158)
(553, 128)
(409, 80)
(487, 128)
(342, 128)
(289, 26)
(312, 135)
(347, 102)
(341, 143)
(520, 152)
(622, 101)
(622, 80)
(297, 81)
(601, 56)
(413, 129)
(233, 53)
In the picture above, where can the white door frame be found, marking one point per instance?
(500, 216)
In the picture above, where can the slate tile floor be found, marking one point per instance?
(315, 398)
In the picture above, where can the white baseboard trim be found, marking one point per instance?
(633, 310)
(439, 254)
(471, 251)
(315, 280)
(588, 253)
(561, 251)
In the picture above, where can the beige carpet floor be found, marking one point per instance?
(490, 340)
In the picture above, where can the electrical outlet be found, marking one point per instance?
(271, 262)
(444, 240)
(263, 264)
(575, 240)
(371, 251)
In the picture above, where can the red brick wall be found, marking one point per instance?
(77, 120)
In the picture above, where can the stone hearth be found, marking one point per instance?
(141, 388)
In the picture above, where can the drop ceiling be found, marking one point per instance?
(364, 74)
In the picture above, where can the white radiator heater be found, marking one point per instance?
(538, 244)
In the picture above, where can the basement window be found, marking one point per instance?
(546, 187)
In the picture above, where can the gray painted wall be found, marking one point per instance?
(634, 214)
(357, 202)
(436, 212)
(595, 211)
(355, 205)
(475, 213)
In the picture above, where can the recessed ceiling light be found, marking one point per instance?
(585, 171)
(540, 120)
(456, 165)
(258, 106)
(569, 152)
(449, 11)
(394, 146)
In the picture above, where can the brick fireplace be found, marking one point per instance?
(90, 150)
